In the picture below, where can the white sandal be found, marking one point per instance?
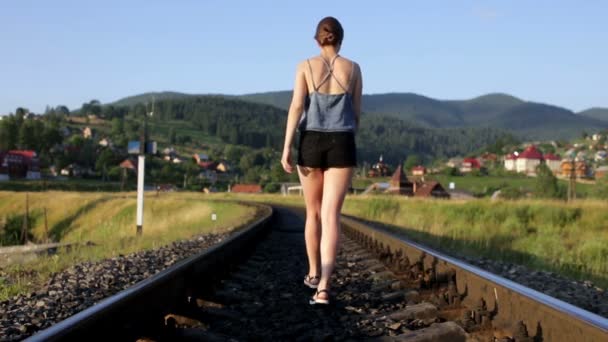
(316, 300)
(308, 281)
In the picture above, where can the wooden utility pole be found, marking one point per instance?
(46, 227)
(572, 181)
(26, 223)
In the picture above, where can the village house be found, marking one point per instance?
(74, 170)
(419, 171)
(600, 155)
(87, 133)
(528, 160)
(510, 162)
(579, 167)
(470, 164)
(455, 162)
(20, 164)
(430, 189)
(200, 157)
(553, 162)
(105, 142)
(379, 169)
(222, 167)
(246, 188)
(399, 184)
(596, 136)
(601, 172)
(3, 167)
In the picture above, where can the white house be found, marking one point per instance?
(510, 162)
(554, 162)
(528, 160)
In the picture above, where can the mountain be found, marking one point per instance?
(527, 120)
(596, 113)
(147, 97)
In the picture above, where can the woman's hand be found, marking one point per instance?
(286, 161)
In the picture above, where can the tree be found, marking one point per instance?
(546, 183)
(27, 136)
(172, 136)
(9, 133)
(411, 161)
(62, 110)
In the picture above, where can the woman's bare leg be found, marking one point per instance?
(335, 185)
(312, 186)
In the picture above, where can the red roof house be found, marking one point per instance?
(246, 188)
(531, 152)
(22, 164)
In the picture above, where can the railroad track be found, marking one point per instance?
(249, 287)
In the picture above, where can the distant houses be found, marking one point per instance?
(399, 184)
(527, 161)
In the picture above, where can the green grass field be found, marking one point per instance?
(108, 220)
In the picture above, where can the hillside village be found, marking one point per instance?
(584, 160)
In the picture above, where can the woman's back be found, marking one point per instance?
(337, 80)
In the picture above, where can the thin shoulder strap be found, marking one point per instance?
(330, 73)
(312, 78)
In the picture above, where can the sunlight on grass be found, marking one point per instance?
(108, 221)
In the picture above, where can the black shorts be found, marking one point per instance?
(322, 150)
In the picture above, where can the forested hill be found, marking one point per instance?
(527, 120)
(596, 113)
(258, 125)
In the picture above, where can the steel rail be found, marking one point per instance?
(142, 307)
(546, 318)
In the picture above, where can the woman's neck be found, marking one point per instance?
(328, 52)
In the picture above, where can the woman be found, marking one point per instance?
(325, 107)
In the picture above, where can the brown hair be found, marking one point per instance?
(329, 32)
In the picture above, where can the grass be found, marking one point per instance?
(570, 239)
(567, 238)
(108, 220)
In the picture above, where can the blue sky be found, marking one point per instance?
(69, 52)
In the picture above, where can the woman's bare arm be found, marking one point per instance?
(357, 93)
(300, 90)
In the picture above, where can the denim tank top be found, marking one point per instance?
(328, 112)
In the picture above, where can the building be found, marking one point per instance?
(399, 184)
(246, 188)
(430, 189)
(554, 162)
(528, 160)
(87, 133)
(105, 142)
(601, 172)
(3, 167)
(455, 162)
(510, 162)
(470, 164)
(600, 155)
(21, 164)
(579, 167)
(419, 170)
(200, 157)
(379, 169)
